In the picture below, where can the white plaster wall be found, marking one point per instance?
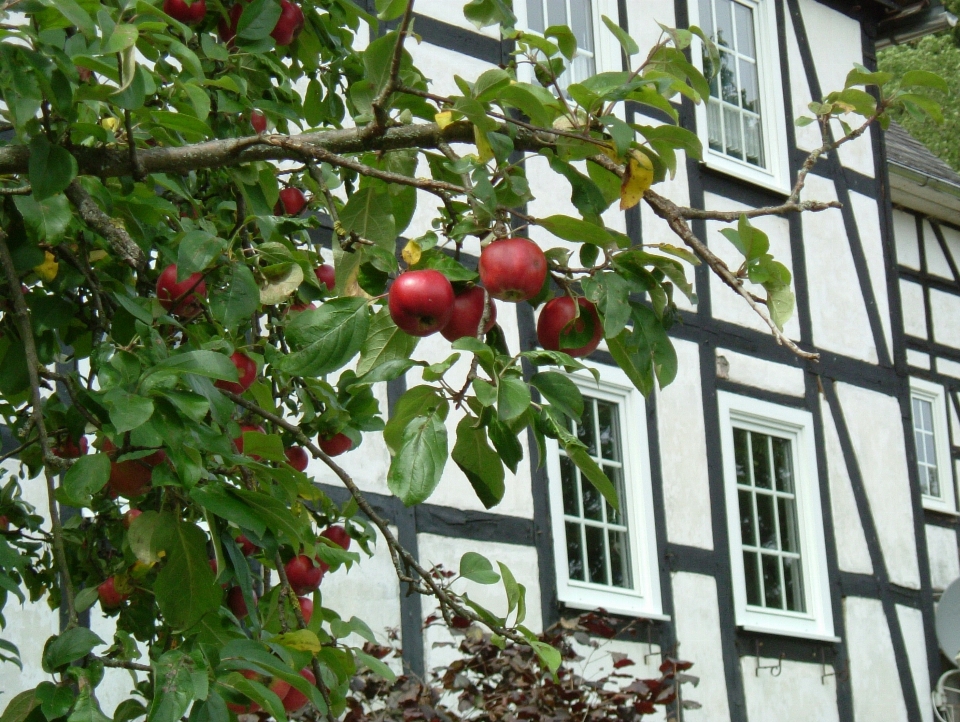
(808, 137)
(440, 644)
(936, 262)
(698, 631)
(905, 235)
(867, 215)
(952, 239)
(911, 626)
(439, 65)
(945, 314)
(949, 368)
(642, 19)
(728, 305)
(762, 374)
(796, 694)
(877, 694)
(942, 552)
(683, 453)
(914, 313)
(876, 428)
(918, 359)
(853, 555)
(837, 310)
(452, 13)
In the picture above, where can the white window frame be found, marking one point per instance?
(935, 394)
(797, 425)
(644, 600)
(773, 123)
(606, 51)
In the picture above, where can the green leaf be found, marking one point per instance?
(201, 363)
(51, 168)
(266, 446)
(512, 589)
(489, 82)
(185, 587)
(123, 36)
(440, 261)
(258, 20)
(477, 568)
(628, 44)
(88, 475)
(197, 249)
(479, 462)
(20, 707)
(418, 401)
(140, 536)
(506, 443)
(561, 392)
(637, 370)
(566, 40)
(416, 469)
(375, 666)
(750, 241)
(385, 342)
(489, 12)
(519, 96)
(924, 79)
(274, 513)
(127, 411)
(390, 9)
(70, 646)
(780, 304)
(217, 500)
(87, 709)
(173, 696)
(238, 300)
(324, 339)
(586, 196)
(549, 656)
(301, 640)
(46, 220)
(590, 469)
(513, 397)
(85, 599)
(576, 230)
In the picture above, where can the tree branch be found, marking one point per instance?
(380, 116)
(118, 238)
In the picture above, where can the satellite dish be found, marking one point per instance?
(948, 622)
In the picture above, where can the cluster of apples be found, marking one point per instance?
(288, 26)
(511, 269)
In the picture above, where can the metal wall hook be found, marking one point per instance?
(650, 651)
(775, 669)
(840, 674)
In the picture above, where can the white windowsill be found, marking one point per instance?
(744, 173)
(619, 611)
(938, 506)
(790, 633)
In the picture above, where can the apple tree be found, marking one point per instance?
(176, 343)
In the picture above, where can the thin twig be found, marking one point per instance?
(380, 116)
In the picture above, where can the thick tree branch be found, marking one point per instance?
(118, 238)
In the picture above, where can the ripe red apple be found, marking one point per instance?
(298, 307)
(467, 312)
(291, 203)
(303, 573)
(556, 324)
(185, 11)
(70, 449)
(110, 598)
(130, 516)
(289, 25)
(295, 699)
(280, 687)
(259, 121)
(306, 608)
(513, 269)
(334, 445)
(132, 477)
(297, 458)
(236, 602)
(238, 442)
(168, 291)
(246, 370)
(421, 302)
(246, 546)
(327, 276)
(228, 29)
(338, 535)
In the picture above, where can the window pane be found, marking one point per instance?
(706, 17)
(581, 22)
(609, 443)
(618, 559)
(760, 447)
(574, 552)
(747, 530)
(724, 22)
(715, 126)
(793, 581)
(616, 476)
(556, 12)
(752, 575)
(773, 594)
(568, 483)
(753, 141)
(921, 447)
(728, 78)
(535, 15)
(592, 501)
(582, 67)
(789, 536)
(596, 555)
(783, 465)
(731, 130)
(766, 522)
(749, 90)
(933, 481)
(931, 451)
(741, 455)
(585, 430)
(744, 18)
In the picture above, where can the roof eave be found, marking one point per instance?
(923, 192)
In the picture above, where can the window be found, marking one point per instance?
(929, 411)
(606, 558)
(741, 124)
(775, 520)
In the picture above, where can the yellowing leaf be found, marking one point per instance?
(303, 640)
(637, 178)
(411, 253)
(48, 269)
(444, 119)
(97, 255)
(109, 123)
(483, 145)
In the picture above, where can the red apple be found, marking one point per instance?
(280, 687)
(228, 29)
(110, 598)
(467, 312)
(295, 699)
(334, 445)
(246, 371)
(185, 11)
(513, 269)
(4, 523)
(236, 602)
(169, 291)
(71, 449)
(289, 25)
(306, 608)
(557, 324)
(129, 517)
(303, 573)
(298, 307)
(421, 302)
(291, 203)
(297, 458)
(327, 277)
(238, 442)
(338, 535)
(259, 121)
(246, 546)
(132, 477)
